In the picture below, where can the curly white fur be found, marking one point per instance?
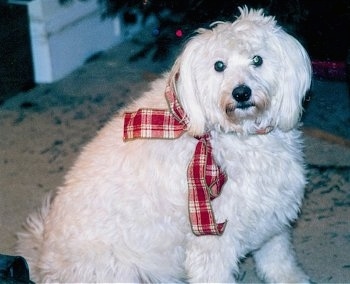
(122, 215)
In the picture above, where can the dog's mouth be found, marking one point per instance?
(244, 105)
(230, 108)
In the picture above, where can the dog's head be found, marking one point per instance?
(242, 76)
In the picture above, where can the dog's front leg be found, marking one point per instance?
(276, 261)
(210, 259)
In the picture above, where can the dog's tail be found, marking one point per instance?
(30, 240)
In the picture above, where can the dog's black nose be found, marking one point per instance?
(242, 93)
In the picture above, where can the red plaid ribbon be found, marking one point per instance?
(205, 178)
(156, 123)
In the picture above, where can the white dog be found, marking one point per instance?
(136, 206)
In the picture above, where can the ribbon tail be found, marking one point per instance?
(221, 228)
(200, 210)
(215, 178)
(202, 218)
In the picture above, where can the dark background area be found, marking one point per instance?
(323, 26)
(16, 69)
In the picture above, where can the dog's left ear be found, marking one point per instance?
(295, 80)
(184, 84)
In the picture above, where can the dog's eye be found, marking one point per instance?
(219, 66)
(257, 60)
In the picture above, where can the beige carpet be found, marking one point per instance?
(43, 130)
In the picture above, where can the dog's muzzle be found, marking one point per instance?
(242, 95)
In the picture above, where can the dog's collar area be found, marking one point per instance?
(263, 131)
(204, 177)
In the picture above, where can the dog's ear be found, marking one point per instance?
(184, 84)
(295, 80)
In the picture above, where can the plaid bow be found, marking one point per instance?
(205, 178)
(156, 123)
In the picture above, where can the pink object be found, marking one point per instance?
(329, 70)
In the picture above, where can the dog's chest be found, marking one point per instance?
(264, 187)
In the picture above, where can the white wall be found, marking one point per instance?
(64, 36)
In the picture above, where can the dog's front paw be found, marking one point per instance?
(208, 278)
(295, 277)
(210, 266)
(276, 261)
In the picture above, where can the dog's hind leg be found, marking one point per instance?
(276, 261)
(30, 240)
